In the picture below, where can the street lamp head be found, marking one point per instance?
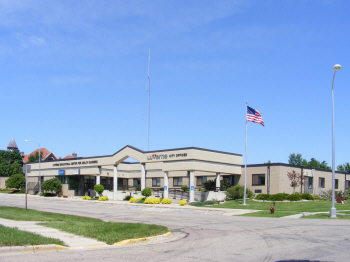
(337, 67)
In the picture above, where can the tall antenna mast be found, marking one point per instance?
(148, 91)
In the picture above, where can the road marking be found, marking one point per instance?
(160, 214)
(185, 211)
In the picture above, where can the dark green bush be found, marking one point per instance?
(138, 188)
(197, 204)
(146, 192)
(185, 188)
(263, 197)
(127, 197)
(52, 185)
(99, 188)
(279, 197)
(294, 197)
(209, 185)
(17, 181)
(307, 196)
(237, 192)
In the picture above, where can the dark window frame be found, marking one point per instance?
(177, 181)
(201, 179)
(156, 182)
(321, 182)
(258, 179)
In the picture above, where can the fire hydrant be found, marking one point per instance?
(272, 209)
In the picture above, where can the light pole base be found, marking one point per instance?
(333, 212)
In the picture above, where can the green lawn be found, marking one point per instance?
(15, 237)
(84, 226)
(298, 206)
(5, 191)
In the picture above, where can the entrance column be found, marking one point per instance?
(217, 181)
(98, 181)
(192, 186)
(166, 184)
(115, 182)
(143, 176)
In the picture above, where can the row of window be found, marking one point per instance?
(259, 180)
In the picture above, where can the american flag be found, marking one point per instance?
(254, 116)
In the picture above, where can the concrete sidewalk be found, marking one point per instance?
(69, 239)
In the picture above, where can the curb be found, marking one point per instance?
(138, 240)
(32, 249)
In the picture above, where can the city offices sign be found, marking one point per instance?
(76, 163)
(165, 156)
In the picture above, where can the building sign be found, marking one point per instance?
(165, 156)
(61, 172)
(76, 163)
(76, 171)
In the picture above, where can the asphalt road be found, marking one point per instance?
(199, 235)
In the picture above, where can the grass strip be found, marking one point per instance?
(298, 206)
(14, 237)
(108, 232)
(267, 213)
(340, 215)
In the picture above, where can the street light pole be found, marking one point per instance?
(333, 210)
(39, 163)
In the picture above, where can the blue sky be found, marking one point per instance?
(74, 75)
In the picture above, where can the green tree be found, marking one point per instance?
(53, 185)
(17, 181)
(344, 167)
(296, 159)
(35, 157)
(99, 188)
(10, 163)
(146, 192)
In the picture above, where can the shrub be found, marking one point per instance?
(210, 202)
(185, 188)
(86, 198)
(294, 197)
(339, 199)
(103, 198)
(263, 197)
(279, 197)
(209, 185)
(316, 197)
(99, 188)
(127, 197)
(307, 196)
(237, 192)
(183, 202)
(17, 181)
(224, 185)
(166, 201)
(152, 201)
(52, 185)
(132, 200)
(146, 192)
(197, 204)
(138, 188)
(140, 200)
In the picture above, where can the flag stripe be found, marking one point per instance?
(254, 116)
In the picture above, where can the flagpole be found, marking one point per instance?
(245, 164)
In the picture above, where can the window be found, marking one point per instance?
(107, 183)
(177, 181)
(258, 180)
(136, 181)
(321, 182)
(310, 182)
(348, 184)
(155, 182)
(200, 180)
(63, 179)
(336, 183)
(258, 191)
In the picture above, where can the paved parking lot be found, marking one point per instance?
(200, 235)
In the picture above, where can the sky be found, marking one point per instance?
(74, 76)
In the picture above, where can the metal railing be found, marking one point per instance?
(323, 193)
